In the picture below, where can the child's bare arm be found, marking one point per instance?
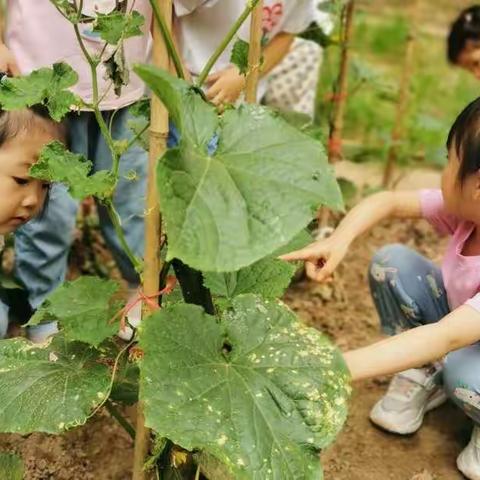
(416, 347)
(323, 256)
(275, 52)
(8, 63)
(226, 85)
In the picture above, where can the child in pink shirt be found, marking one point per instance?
(433, 313)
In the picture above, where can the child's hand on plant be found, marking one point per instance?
(321, 257)
(8, 63)
(225, 86)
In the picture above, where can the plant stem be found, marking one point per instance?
(167, 38)
(216, 54)
(254, 54)
(340, 94)
(105, 130)
(112, 410)
(134, 139)
(158, 142)
(403, 96)
(115, 219)
(93, 63)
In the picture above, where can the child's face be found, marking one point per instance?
(469, 58)
(21, 197)
(461, 199)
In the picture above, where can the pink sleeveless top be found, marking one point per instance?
(461, 274)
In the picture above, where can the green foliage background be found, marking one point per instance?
(439, 91)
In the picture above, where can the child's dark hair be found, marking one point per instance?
(466, 27)
(464, 136)
(13, 123)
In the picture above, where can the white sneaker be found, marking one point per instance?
(42, 332)
(468, 462)
(134, 316)
(411, 394)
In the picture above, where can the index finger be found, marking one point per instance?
(305, 253)
(213, 77)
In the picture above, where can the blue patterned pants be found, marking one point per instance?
(408, 291)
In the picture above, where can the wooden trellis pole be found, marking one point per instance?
(340, 94)
(254, 53)
(403, 95)
(339, 100)
(158, 141)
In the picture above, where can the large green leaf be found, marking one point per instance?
(268, 277)
(255, 193)
(57, 164)
(117, 26)
(84, 308)
(11, 467)
(257, 390)
(49, 388)
(47, 86)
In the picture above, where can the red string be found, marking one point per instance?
(148, 299)
(335, 97)
(335, 146)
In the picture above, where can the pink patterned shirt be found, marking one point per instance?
(461, 274)
(39, 36)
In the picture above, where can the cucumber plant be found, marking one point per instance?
(228, 372)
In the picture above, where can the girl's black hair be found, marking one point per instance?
(466, 27)
(464, 136)
(15, 122)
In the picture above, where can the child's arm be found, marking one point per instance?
(416, 347)
(322, 257)
(226, 85)
(8, 63)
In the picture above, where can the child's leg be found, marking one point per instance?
(4, 309)
(408, 291)
(461, 376)
(129, 199)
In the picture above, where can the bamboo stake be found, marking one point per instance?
(254, 53)
(158, 138)
(339, 102)
(403, 95)
(340, 95)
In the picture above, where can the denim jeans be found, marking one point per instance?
(408, 291)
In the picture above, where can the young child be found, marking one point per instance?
(202, 24)
(42, 247)
(463, 45)
(437, 310)
(23, 134)
(292, 84)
